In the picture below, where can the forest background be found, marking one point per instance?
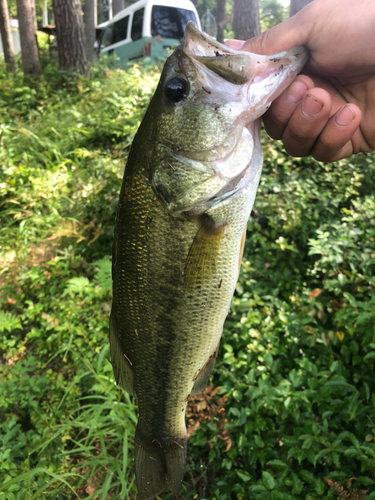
(289, 411)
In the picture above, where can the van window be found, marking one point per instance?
(137, 25)
(121, 29)
(170, 22)
(107, 37)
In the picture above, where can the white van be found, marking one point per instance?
(147, 28)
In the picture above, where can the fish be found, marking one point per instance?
(188, 189)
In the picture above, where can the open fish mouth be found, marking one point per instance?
(265, 77)
(240, 87)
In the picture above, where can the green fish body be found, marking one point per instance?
(187, 193)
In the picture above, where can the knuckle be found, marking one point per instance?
(297, 142)
(295, 151)
(327, 155)
(274, 126)
(330, 147)
(297, 136)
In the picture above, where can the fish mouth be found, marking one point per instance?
(239, 86)
(232, 65)
(265, 77)
(196, 42)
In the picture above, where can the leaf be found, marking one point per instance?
(79, 285)
(243, 475)
(352, 452)
(321, 454)
(258, 441)
(287, 402)
(103, 276)
(315, 293)
(9, 322)
(340, 335)
(297, 484)
(268, 480)
(277, 463)
(339, 384)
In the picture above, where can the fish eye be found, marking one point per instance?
(176, 89)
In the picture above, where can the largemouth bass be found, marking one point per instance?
(188, 190)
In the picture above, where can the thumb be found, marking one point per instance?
(291, 33)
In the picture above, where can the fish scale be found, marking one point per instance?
(180, 224)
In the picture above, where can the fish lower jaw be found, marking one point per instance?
(230, 172)
(232, 188)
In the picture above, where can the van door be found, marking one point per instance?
(115, 38)
(121, 39)
(136, 49)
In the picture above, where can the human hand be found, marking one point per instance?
(329, 110)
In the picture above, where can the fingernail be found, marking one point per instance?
(311, 107)
(296, 91)
(345, 116)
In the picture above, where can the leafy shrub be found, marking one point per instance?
(298, 346)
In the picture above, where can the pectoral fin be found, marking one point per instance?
(242, 248)
(201, 261)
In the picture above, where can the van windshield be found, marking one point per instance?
(170, 22)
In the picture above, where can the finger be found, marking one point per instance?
(335, 140)
(291, 33)
(277, 117)
(234, 44)
(307, 122)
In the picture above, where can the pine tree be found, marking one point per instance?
(6, 36)
(70, 35)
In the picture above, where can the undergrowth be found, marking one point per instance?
(290, 414)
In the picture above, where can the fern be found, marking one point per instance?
(103, 277)
(77, 286)
(8, 322)
(349, 493)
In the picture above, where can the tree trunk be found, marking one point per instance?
(90, 25)
(45, 14)
(29, 49)
(70, 35)
(246, 19)
(220, 20)
(117, 5)
(33, 10)
(297, 5)
(6, 36)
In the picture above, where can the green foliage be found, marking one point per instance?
(296, 362)
(271, 12)
(297, 356)
(66, 430)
